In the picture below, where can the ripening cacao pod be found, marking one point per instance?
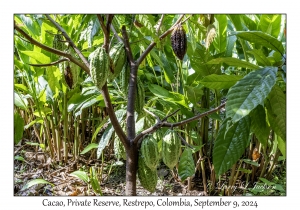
(171, 148)
(149, 151)
(68, 76)
(70, 71)
(124, 78)
(178, 41)
(118, 56)
(146, 175)
(99, 67)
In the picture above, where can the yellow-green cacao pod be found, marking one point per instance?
(178, 41)
(171, 148)
(146, 175)
(149, 151)
(118, 56)
(99, 67)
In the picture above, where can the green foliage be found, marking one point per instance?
(18, 128)
(230, 144)
(249, 92)
(186, 166)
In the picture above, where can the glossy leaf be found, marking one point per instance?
(38, 56)
(270, 24)
(261, 38)
(104, 140)
(230, 144)
(233, 62)
(218, 82)
(82, 175)
(34, 182)
(18, 128)
(89, 147)
(276, 109)
(221, 35)
(249, 92)
(260, 57)
(259, 124)
(186, 166)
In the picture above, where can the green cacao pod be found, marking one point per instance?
(146, 175)
(118, 56)
(140, 96)
(171, 148)
(178, 41)
(99, 67)
(149, 151)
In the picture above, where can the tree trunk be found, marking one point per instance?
(131, 169)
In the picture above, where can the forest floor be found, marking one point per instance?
(36, 164)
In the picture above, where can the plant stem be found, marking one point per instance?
(65, 107)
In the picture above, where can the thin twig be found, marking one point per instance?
(115, 33)
(166, 124)
(127, 45)
(184, 141)
(50, 49)
(150, 47)
(160, 23)
(152, 114)
(170, 115)
(50, 64)
(81, 56)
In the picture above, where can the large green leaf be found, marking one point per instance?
(260, 57)
(270, 24)
(199, 59)
(34, 182)
(249, 92)
(104, 139)
(221, 35)
(81, 175)
(148, 22)
(259, 124)
(186, 166)
(230, 145)
(20, 100)
(194, 93)
(233, 62)
(261, 38)
(230, 45)
(18, 128)
(276, 109)
(281, 146)
(89, 147)
(214, 81)
(168, 96)
(38, 56)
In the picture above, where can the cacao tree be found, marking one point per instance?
(208, 87)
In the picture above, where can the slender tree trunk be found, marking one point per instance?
(131, 170)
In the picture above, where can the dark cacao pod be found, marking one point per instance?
(68, 76)
(178, 41)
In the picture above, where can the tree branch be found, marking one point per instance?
(50, 49)
(115, 33)
(166, 124)
(152, 44)
(127, 45)
(84, 60)
(50, 64)
(105, 93)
